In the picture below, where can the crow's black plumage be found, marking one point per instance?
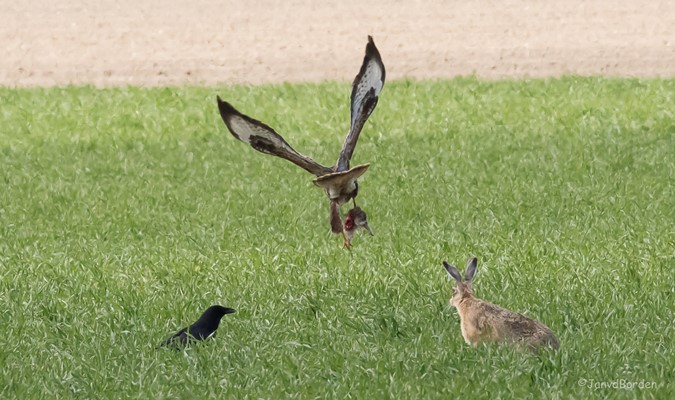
(205, 327)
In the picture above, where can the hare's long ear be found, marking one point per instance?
(470, 269)
(452, 270)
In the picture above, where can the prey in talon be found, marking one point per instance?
(356, 218)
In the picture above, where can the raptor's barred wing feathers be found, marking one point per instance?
(365, 91)
(264, 139)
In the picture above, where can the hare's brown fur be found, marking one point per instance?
(486, 322)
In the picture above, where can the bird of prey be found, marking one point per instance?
(205, 327)
(338, 181)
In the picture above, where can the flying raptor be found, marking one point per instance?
(338, 181)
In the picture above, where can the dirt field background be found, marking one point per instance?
(174, 42)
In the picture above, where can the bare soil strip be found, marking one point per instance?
(176, 42)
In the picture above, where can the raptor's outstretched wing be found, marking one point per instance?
(264, 139)
(365, 89)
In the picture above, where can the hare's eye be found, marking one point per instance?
(454, 291)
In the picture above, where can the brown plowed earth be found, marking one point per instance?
(177, 42)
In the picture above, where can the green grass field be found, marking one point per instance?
(125, 212)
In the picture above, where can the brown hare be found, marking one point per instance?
(485, 322)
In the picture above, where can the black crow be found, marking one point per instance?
(205, 327)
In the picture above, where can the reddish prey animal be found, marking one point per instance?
(356, 218)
